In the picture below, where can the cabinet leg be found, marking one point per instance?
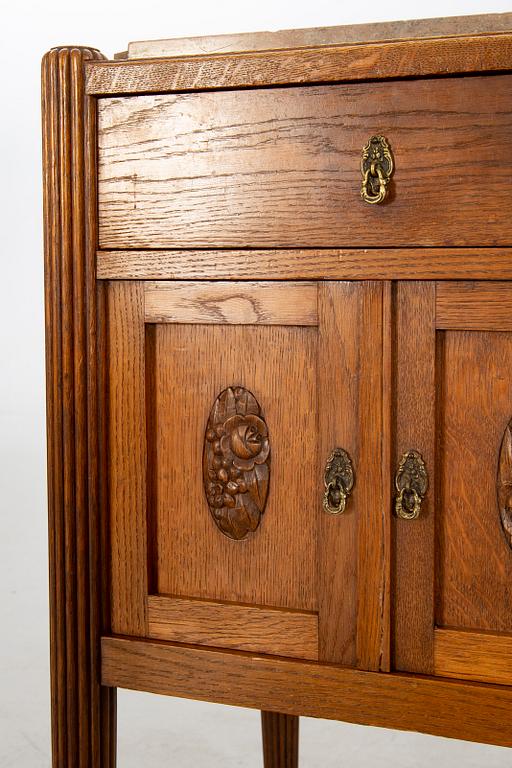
(280, 740)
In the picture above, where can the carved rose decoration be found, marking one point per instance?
(504, 483)
(236, 462)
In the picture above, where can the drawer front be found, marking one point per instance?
(281, 167)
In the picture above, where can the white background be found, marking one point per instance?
(153, 731)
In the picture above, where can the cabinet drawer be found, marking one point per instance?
(281, 167)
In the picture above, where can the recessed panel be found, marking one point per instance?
(190, 366)
(474, 565)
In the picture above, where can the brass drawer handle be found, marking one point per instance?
(411, 483)
(376, 167)
(338, 481)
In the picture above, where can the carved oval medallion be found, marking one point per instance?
(236, 462)
(504, 483)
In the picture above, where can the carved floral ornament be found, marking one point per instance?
(236, 462)
(504, 483)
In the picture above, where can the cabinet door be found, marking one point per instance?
(226, 401)
(453, 564)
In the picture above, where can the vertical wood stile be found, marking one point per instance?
(387, 472)
(415, 404)
(373, 487)
(82, 714)
(339, 309)
(353, 557)
(127, 457)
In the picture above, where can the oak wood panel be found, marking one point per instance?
(410, 58)
(414, 407)
(275, 566)
(272, 168)
(387, 457)
(339, 309)
(127, 457)
(247, 304)
(308, 263)
(351, 588)
(474, 560)
(280, 740)
(228, 625)
(474, 306)
(473, 656)
(317, 36)
(83, 713)
(292, 687)
(374, 492)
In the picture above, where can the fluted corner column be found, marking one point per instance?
(83, 712)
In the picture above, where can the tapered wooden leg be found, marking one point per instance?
(83, 712)
(280, 740)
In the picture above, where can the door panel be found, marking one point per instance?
(275, 565)
(453, 594)
(474, 560)
(303, 361)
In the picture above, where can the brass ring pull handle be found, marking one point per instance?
(411, 482)
(376, 167)
(338, 481)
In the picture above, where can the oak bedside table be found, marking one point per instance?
(279, 347)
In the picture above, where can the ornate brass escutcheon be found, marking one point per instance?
(411, 483)
(338, 481)
(376, 167)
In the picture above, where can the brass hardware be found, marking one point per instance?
(338, 481)
(411, 483)
(376, 167)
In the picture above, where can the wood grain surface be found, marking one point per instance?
(272, 168)
(263, 303)
(414, 409)
(374, 492)
(338, 369)
(408, 58)
(474, 306)
(280, 740)
(193, 364)
(127, 457)
(229, 625)
(83, 713)
(308, 264)
(462, 710)
(473, 656)
(474, 561)
(351, 591)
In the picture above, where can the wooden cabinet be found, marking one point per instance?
(279, 343)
